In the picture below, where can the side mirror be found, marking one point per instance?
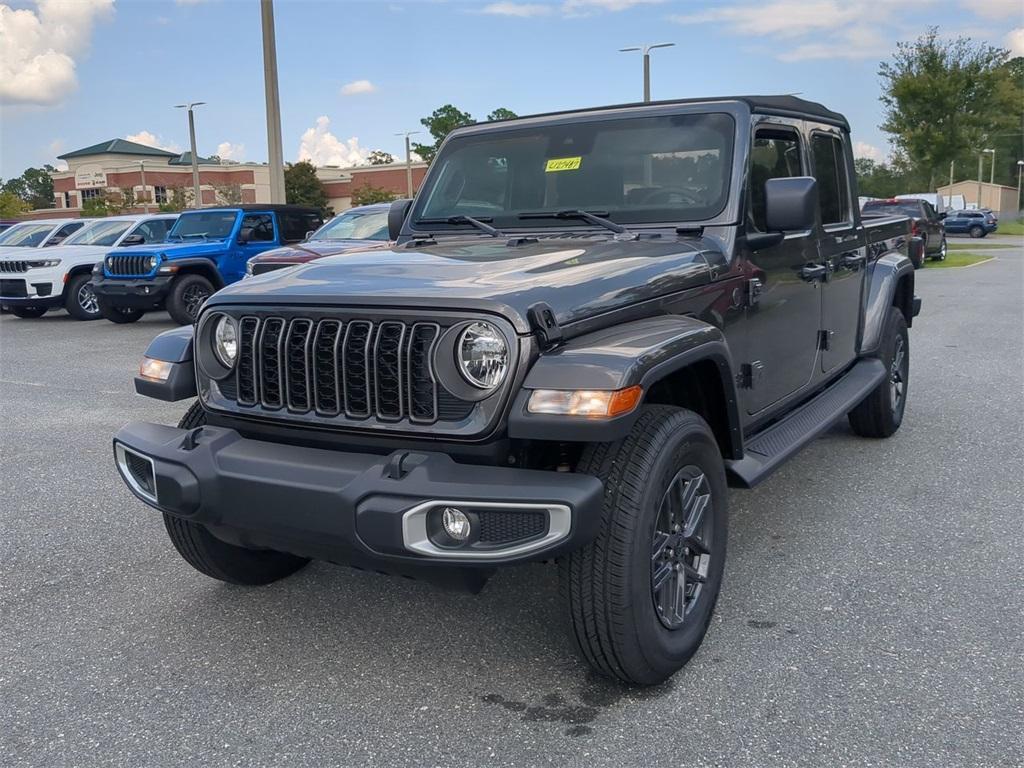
(244, 235)
(56, 240)
(942, 215)
(790, 203)
(309, 234)
(133, 240)
(396, 217)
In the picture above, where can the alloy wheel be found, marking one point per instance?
(192, 298)
(87, 299)
(898, 376)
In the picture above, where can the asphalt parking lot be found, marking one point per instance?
(873, 611)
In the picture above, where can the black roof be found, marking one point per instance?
(783, 105)
(260, 207)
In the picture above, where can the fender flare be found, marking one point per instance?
(174, 347)
(639, 352)
(886, 274)
(195, 264)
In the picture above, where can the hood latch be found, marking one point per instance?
(545, 326)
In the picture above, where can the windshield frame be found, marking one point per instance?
(352, 213)
(129, 224)
(739, 112)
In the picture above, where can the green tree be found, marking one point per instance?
(11, 205)
(228, 194)
(95, 207)
(876, 179)
(380, 157)
(502, 114)
(366, 195)
(943, 99)
(302, 187)
(440, 123)
(34, 186)
(177, 199)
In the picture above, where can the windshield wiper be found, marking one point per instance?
(591, 217)
(478, 223)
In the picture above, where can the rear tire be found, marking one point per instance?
(186, 298)
(119, 315)
(80, 299)
(28, 313)
(881, 412)
(941, 255)
(218, 559)
(640, 596)
(977, 231)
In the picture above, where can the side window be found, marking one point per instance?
(261, 226)
(830, 171)
(294, 226)
(929, 212)
(775, 154)
(68, 229)
(154, 231)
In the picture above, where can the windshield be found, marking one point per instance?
(631, 171)
(100, 233)
(355, 225)
(25, 235)
(212, 225)
(902, 208)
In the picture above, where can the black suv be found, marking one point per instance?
(591, 323)
(926, 223)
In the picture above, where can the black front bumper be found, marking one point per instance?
(141, 293)
(355, 508)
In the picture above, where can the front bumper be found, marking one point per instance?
(355, 508)
(142, 293)
(35, 288)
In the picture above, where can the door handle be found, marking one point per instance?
(814, 272)
(853, 260)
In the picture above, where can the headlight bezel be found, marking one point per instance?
(208, 361)
(220, 345)
(482, 329)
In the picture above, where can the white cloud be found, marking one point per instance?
(1014, 40)
(581, 7)
(321, 147)
(520, 10)
(228, 151)
(152, 140)
(868, 151)
(357, 86)
(782, 18)
(38, 48)
(993, 9)
(856, 42)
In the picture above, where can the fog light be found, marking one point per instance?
(455, 523)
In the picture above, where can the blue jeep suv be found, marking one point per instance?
(205, 250)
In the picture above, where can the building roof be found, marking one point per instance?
(118, 147)
(185, 158)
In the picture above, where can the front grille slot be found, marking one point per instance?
(13, 266)
(351, 368)
(128, 265)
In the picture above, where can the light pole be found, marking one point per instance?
(646, 51)
(198, 201)
(1020, 167)
(992, 170)
(408, 161)
(145, 199)
(981, 158)
(274, 146)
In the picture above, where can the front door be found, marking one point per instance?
(842, 250)
(784, 306)
(260, 235)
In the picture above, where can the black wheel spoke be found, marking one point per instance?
(693, 574)
(661, 576)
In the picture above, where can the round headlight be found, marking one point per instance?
(225, 341)
(110, 261)
(483, 355)
(153, 261)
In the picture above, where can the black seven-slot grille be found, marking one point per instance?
(13, 266)
(128, 265)
(355, 368)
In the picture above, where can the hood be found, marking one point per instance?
(173, 250)
(300, 253)
(577, 277)
(66, 253)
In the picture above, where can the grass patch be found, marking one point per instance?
(1010, 228)
(958, 259)
(955, 246)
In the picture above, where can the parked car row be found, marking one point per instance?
(124, 266)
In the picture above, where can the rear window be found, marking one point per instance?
(889, 208)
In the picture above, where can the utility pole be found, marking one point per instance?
(197, 201)
(145, 198)
(408, 161)
(951, 164)
(992, 170)
(1020, 167)
(981, 158)
(273, 98)
(646, 51)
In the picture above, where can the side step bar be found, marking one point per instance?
(765, 451)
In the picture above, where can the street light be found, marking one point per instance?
(408, 160)
(646, 51)
(272, 97)
(198, 202)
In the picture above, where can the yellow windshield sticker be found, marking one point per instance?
(563, 164)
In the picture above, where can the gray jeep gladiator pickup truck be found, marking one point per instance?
(590, 324)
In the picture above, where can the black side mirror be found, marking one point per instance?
(244, 235)
(396, 217)
(309, 233)
(56, 240)
(133, 240)
(942, 216)
(790, 203)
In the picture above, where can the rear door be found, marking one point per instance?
(784, 309)
(841, 248)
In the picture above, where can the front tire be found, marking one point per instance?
(28, 313)
(641, 595)
(80, 299)
(881, 412)
(218, 559)
(119, 315)
(943, 248)
(186, 298)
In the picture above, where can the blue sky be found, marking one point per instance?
(76, 72)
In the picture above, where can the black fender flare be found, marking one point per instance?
(197, 265)
(885, 275)
(639, 352)
(176, 348)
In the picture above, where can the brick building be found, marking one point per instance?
(154, 176)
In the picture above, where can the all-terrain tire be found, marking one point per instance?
(186, 298)
(218, 559)
(28, 313)
(608, 586)
(119, 315)
(80, 300)
(881, 412)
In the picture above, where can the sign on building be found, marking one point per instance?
(90, 177)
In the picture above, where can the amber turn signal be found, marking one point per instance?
(583, 402)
